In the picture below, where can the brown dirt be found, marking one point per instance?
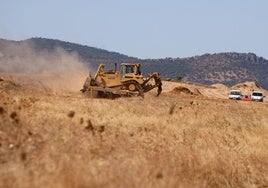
(180, 90)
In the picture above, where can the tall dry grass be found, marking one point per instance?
(132, 142)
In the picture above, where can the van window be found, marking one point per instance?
(257, 94)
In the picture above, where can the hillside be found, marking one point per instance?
(225, 68)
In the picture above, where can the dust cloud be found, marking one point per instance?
(56, 70)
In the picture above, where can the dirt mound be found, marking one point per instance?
(219, 86)
(184, 90)
(248, 87)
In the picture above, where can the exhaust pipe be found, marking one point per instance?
(115, 67)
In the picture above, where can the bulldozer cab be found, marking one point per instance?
(128, 70)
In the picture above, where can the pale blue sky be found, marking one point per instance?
(143, 28)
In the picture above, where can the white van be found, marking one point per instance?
(257, 96)
(235, 94)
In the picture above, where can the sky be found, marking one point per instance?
(143, 28)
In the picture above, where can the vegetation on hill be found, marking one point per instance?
(225, 68)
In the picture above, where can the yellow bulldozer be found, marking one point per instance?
(128, 81)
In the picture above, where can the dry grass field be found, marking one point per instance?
(53, 136)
